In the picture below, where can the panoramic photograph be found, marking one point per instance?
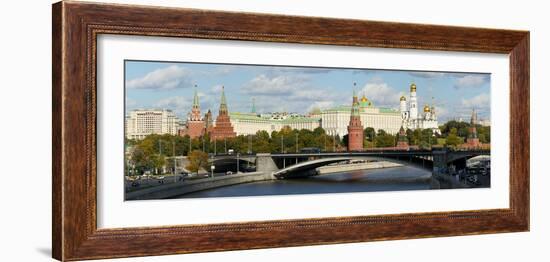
(202, 130)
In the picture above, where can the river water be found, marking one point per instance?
(387, 179)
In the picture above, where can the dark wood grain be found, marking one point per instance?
(75, 29)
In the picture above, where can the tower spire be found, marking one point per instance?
(223, 103)
(196, 103)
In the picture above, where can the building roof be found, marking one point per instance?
(346, 109)
(251, 116)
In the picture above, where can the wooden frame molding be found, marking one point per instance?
(76, 26)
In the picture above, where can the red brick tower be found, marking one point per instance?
(355, 129)
(402, 142)
(195, 124)
(223, 128)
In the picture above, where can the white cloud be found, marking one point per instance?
(468, 81)
(479, 101)
(292, 93)
(179, 104)
(164, 78)
(381, 93)
(320, 105)
(277, 85)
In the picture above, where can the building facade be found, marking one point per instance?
(251, 123)
(335, 120)
(143, 122)
(411, 117)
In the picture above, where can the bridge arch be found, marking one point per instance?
(307, 168)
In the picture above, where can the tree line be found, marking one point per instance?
(153, 152)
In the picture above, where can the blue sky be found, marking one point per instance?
(298, 89)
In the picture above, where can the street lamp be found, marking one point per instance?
(249, 144)
(238, 163)
(174, 156)
(160, 150)
(282, 144)
(296, 142)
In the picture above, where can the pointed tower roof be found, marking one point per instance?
(355, 104)
(196, 99)
(223, 103)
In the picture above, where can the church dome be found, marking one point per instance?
(413, 87)
(426, 109)
(402, 98)
(365, 102)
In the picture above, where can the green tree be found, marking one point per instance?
(197, 160)
(384, 140)
(453, 139)
(370, 133)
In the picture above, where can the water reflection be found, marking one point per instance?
(389, 179)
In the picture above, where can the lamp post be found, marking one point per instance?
(190, 144)
(174, 156)
(249, 144)
(296, 142)
(160, 149)
(225, 144)
(238, 163)
(282, 144)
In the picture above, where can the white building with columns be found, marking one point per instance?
(335, 120)
(143, 122)
(250, 123)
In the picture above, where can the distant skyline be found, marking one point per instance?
(171, 85)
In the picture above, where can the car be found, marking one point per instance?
(229, 173)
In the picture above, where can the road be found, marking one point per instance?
(168, 179)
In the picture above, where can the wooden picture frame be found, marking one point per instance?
(76, 26)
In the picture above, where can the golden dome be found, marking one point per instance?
(364, 99)
(426, 108)
(413, 87)
(402, 98)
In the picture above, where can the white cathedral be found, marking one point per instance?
(412, 119)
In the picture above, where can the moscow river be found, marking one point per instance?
(387, 179)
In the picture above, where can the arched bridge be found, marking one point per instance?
(307, 168)
(287, 165)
